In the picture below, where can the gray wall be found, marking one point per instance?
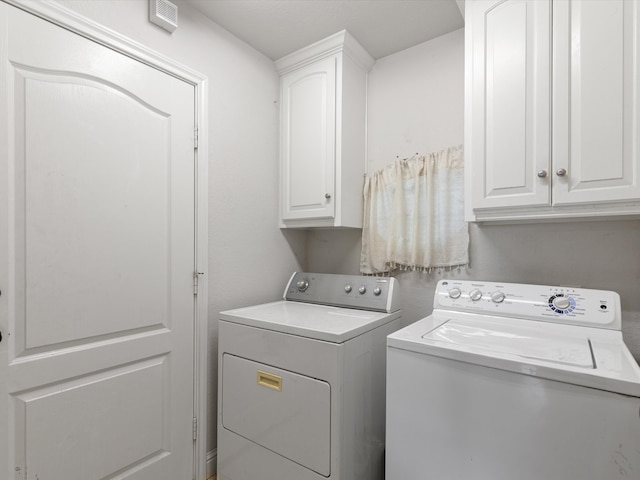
(415, 104)
(602, 255)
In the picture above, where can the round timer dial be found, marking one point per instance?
(561, 303)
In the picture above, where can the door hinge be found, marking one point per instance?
(195, 281)
(195, 428)
(195, 139)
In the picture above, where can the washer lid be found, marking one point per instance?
(591, 357)
(320, 322)
(524, 339)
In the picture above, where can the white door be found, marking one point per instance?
(309, 141)
(96, 260)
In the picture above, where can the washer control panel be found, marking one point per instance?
(350, 291)
(569, 305)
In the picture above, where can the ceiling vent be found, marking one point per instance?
(164, 14)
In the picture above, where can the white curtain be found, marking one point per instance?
(414, 215)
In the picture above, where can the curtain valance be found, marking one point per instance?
(414, 215)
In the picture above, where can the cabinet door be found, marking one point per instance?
(596, 101)
(508, 102)
(308, 141)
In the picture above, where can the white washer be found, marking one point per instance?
(301, 392)
(513, 382)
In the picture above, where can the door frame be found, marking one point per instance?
(70, 20)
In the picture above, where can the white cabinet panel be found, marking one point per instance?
(510, 103)
(322, 137)
(308, 141)
(596, 106)
(552, 109)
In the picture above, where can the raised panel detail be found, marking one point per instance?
(506, 99)
(91, 244)
(596, 120)
(67, 430)
(597, 88)
(309, 141)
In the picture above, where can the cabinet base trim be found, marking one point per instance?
(558, 213)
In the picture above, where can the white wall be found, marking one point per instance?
(250, 260)
(416, 105)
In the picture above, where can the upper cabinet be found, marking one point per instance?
(322, 133)
(552, 109)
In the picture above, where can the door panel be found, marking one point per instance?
(84, 415)
(120, 236)
(510, 102)
(97, 309)
(597, 51)
(309, 141)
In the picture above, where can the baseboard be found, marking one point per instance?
(212, 462)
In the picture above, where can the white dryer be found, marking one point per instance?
(513, 382)
(301, 392)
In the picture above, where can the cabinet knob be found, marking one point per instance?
(542, 173)
(561, 172)
(327, 196)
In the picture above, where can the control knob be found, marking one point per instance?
(347, 288)
(475, 295)
(362, 290)
(561, 302)
(302, 285)
(455, 293)
(497, 297)
(377, 291)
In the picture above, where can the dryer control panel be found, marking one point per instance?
(379, 294)
(568, 305)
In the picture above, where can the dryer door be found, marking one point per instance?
(287, 413)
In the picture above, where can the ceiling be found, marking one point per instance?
(279, 27)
